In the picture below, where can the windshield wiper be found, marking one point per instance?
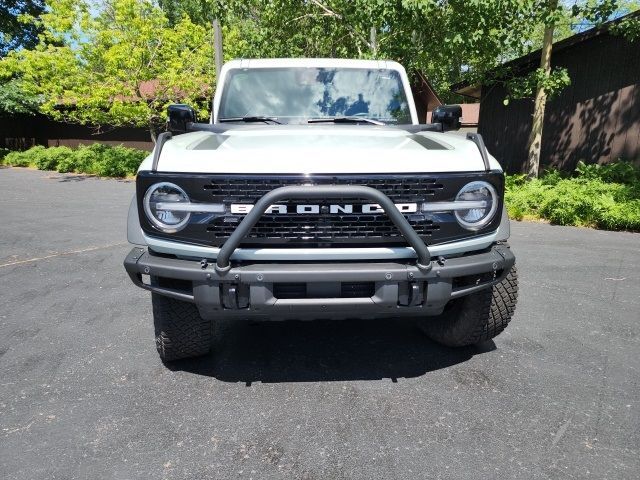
(255, 118)
(352, 119)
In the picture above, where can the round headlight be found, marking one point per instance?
(162, 209)
(484, 207)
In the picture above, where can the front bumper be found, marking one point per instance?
(251, 290)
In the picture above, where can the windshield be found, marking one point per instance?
(295, 95)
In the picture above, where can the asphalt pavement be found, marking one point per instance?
(83, 393)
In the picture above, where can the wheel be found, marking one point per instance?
(477, 317)
(180, 331)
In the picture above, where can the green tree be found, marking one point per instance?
(15, 99)
(14, 31)
(121, 65)
(202, 12)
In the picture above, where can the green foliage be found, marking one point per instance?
(15, 99)
(15, 32)
(27, 158)
(15, 159)
(50, 157)
(84, 159)
(119, 161)
(201, 12)
(444, 40)
(628, 28)
(602, 196)
(3, 153)
(525, 87)
(441, 39)
(618, 172)
(116, 63)
(95, 159)
(595, 12)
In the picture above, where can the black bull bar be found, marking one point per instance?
(313, 192)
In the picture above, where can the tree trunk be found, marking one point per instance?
(374, 42)
(534, 143)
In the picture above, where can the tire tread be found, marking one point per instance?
(479, 317)
(180, 330)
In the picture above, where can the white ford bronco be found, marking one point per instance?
(314, 192)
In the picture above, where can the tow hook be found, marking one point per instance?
(411, 295)
(234, 296)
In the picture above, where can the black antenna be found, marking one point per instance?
(477, 139)
(160, 141)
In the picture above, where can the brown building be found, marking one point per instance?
(426, 99)
(19, 132)
(596, 119)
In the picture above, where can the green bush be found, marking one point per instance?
(13, 159)
(49, 158)
(618, 172)
(119, 162)
(95, 159)
(606, 196)
(85, 159)
(23, 159)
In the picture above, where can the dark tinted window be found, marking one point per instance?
(296, 94)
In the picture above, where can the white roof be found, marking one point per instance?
(312, 62)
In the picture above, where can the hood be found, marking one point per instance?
(335, 149)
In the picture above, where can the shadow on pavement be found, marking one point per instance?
(272, 352)
(71, 177)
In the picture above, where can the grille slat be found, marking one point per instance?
(322, 227)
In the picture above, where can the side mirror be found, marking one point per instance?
(448, 116)
(179, 116)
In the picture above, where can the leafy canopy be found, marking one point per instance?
(15, 32)
(14, 99)
(446, 40)
(442, 39)
(119, 62)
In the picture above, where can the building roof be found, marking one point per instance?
(531, 61)
(423, 88)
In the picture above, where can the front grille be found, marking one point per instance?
(249, 190)
(323, 229)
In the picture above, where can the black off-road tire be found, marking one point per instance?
(477, 317)
(180, 331)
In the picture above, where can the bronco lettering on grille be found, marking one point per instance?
(244, 208)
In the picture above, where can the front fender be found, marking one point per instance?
(134, 231)
(504, 230)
